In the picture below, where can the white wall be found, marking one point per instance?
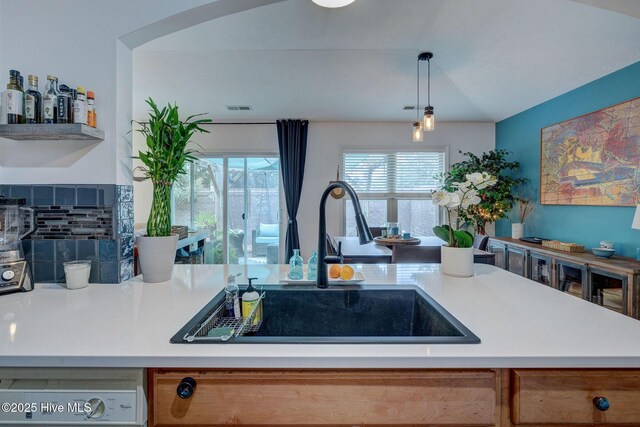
(79, 41)
(326, 142)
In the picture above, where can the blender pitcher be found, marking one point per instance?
(16, 222)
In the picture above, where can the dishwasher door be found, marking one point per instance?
(73, 396)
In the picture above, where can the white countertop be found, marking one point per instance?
(521, 324)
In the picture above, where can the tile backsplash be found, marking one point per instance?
(79, 222)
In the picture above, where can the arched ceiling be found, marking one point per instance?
(492, 58)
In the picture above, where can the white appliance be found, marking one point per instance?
(73, 396)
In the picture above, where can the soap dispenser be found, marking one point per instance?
(251, 299)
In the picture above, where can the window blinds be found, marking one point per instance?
(393, 172)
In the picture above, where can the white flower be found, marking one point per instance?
(461, 185)
(440, 198)
(454, 199)
(481, 180)
(470, 198)
(475, 178)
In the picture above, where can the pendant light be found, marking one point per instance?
(428, 123)
(333, 3)
(417, 125)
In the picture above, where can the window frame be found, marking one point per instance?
(392, 197)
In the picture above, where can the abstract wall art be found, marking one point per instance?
(593, 159)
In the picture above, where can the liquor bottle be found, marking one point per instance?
(91, 111)
(50, 101)
(21, 81)
(80, 107)
(33, 101)
(73, 95)
(64, 101)
(13, 98)
(295, 266)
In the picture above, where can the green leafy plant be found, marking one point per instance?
(206, 220)
(496, 201)
(167, 138)
(463, 196)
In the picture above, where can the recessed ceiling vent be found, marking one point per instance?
(238, 107)
(409, 107)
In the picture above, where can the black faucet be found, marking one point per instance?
(363, 231)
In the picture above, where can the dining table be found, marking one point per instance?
(372, 253)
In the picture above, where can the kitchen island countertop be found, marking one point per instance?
(521, 324)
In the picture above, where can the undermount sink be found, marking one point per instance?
(338, 314)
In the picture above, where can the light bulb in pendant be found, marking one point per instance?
(417, 132)
(429, 122)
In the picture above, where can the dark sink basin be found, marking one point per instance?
(340, 314)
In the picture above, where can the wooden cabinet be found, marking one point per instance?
(613, 283)
(574, 397)
(396, 397)
(327, 397)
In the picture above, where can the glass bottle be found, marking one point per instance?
(312, 268)
(91, 112)
(64, 100)
(80, 107)
(33, 101)
(295, 266)
(13, 99)
(50, 101)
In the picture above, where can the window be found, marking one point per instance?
(394, 185)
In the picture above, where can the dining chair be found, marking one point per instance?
(403, 254)
(481, 241)
(377, 231)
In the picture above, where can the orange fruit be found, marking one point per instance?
(346, 273)
(334, 271)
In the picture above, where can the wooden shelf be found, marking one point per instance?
(49, 132)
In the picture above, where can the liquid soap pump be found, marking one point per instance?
(251, 299)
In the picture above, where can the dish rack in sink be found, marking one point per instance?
(236, 327)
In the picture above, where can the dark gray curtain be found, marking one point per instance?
(292, 142)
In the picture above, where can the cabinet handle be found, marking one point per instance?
(601, 403)
(186, 388)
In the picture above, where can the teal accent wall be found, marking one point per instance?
(520, 134)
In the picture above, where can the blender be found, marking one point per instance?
(15, 274)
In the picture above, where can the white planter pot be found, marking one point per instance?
(456, 262)
(517, 230)
(156, 256)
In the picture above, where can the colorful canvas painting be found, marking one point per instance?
(593, 159)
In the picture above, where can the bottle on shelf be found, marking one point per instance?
(50, 101)
(80, 107)
(21, 80)
(33, 101)
(312, 267)
(295, 266)
(13, 99)
(73, 95)
(64, 102)
(91, 111)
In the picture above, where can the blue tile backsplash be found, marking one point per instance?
(79, 222)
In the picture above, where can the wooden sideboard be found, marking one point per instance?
(613, 282)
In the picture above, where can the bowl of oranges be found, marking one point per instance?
(343, 273)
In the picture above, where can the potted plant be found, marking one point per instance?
(457, 254)
(167, 138)
(496, 202)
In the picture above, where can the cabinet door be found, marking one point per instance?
(327, 397)
(540, 268)
(517, 260)
(571, 278)
(500, 251)
(575, 397)
(608, 289)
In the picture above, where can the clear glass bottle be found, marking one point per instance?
(33, 101)
(232, 301)
(295, 266)
(50, 101)
(13, 99)
(312, 267)
(80, 107)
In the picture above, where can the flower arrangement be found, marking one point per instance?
(464, 195)
(525, 204)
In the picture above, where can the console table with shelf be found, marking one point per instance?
(613, 282)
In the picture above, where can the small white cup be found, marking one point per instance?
(77, 273)
(605, 244)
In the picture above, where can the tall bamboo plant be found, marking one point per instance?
(167, 138)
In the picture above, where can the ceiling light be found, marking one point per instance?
(419, 126)
(333, 3)
(428, 123)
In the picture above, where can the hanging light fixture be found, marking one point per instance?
(417, 125)
(333, 3)
(428, 123)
